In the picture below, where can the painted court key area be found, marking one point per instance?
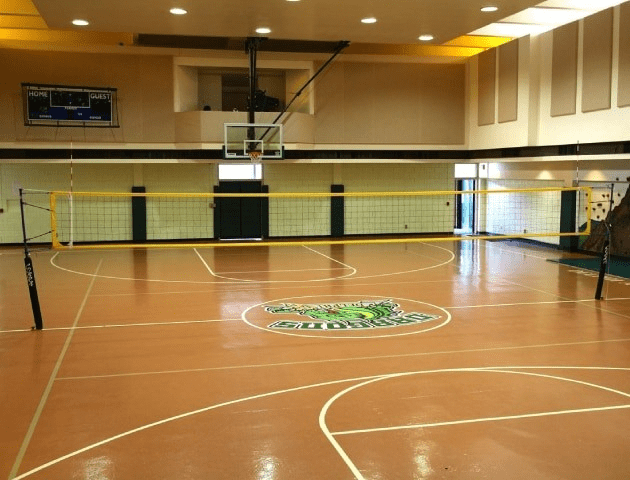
(341, 316)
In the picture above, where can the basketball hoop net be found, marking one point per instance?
(255, 156)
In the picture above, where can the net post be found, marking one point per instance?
(602, 268)
(568, 204)
(53, 221)
(606, 249)
(30, 272)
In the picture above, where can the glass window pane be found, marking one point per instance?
(240, 171)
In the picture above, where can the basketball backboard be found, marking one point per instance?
(241, 139)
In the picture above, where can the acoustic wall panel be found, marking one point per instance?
(508, 82)
(564, 70)
(623, 96)
(597, 71)
(487, 87)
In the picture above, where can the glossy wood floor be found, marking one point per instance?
(408, 361)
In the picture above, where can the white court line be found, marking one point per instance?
(256, 397)
(204, 262)
(481, 420)
(242, 282)
(518, 252)
(284, 271)
(51, 381)
(452, 255)
(355, 470)
(247, 280)
(110, 277)
(519, 304)
(124, 325)
(490, 419)
(456, 307)
(525, 287)
(172, 419)
(257, 288)
(347, 359)
(330, 258)
(573, 268)
(329, 436)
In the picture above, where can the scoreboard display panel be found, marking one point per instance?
(55, 105)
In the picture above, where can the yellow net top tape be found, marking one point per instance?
(318, 194)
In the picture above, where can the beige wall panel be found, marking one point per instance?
(293, 177)
(564, 70)
(158, 122)
(187, 94)
(329, 103)
(194, 178)
(487, 87)
(597, 71)
(391, 104)
(295, 80)
(361, 113)
(397, 111)
(508, 82)
(442, 104)
(623, 97)
(145, 94)
(110, 177)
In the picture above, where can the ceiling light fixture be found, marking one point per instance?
(178, 11)
(263, 30)
(489, 8)
(368, 20)
(79, 22)
(511, 30)
(425, 38)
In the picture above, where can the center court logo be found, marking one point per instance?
(347, 316)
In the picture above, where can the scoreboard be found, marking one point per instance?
(55, 105)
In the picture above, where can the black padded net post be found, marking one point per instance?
(30, 272)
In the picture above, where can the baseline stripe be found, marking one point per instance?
(351, 359)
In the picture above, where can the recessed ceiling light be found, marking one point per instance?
(425, 38)
(263, 30)
(489, 8)
(178, 11)
(293, 0)
(368, 20)
(79, 22)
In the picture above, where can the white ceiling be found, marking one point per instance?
(399, 21)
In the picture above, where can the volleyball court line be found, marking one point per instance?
(240, 281)
(365, 379)
(353, 468)
(349, 359)
(51, 380)
(284, 271)
(184, 322)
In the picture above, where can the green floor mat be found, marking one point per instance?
(616, 266)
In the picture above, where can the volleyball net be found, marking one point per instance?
(111, 220)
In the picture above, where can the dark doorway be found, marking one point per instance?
(237, 217)
(465, 207)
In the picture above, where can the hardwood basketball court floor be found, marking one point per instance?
(453, 360)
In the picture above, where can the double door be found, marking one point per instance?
(241, 217)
